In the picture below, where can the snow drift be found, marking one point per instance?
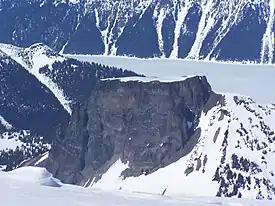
(34, 175)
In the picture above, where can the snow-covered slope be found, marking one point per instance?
(23, 99)
(28, 111)
(34, 175)
(234, 156)
(33, 59)
(29, 186)
(5, 123)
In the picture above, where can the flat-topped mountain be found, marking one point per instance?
(160, 135)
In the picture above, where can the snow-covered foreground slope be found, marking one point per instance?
(34, 175)
(36, 186)
(251, 80)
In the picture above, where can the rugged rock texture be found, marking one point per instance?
(148, 125)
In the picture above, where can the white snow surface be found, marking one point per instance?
(5, 123)
(253, 80)
(148, 79)
(7, 144)
(44, 157)
(3, 167)
(32, 59)
(34, 175)
(11, 140)
(26, 186)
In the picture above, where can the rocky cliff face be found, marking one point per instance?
(170, 138)
(148, 125)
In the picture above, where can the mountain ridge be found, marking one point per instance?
(44, 63)
(231, 155)
(34, 83)
(221, 30)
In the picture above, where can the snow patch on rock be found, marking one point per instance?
(149, 79)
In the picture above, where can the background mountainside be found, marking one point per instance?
(25, 102)
(224, 30)
(68, 79)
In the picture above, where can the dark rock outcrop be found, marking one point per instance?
(147, 125)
